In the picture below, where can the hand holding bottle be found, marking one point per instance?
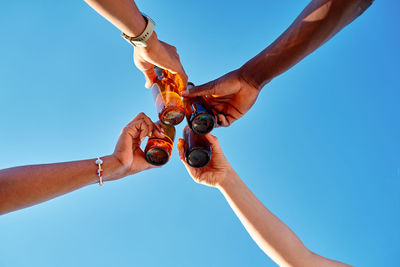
(28, 185)
(216, 171)
(230, 96)
(160, 54)
(128, 150)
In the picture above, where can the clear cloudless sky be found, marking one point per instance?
(320, 147)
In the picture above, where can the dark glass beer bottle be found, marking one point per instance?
(167, 90)
(199, 117)
(197, 149)
(158, 150)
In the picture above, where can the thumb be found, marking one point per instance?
(181, 150)
(149, 75)
(214, 143)
(201, 90)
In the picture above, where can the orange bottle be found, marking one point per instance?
(167, 90)
(159, 150)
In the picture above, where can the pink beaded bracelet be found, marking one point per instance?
(100, 171)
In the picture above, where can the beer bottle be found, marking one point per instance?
(199, 117)
(167, 90)
(197, 149)
(158, 150)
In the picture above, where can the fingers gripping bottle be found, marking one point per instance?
(158, 150)
(197, 149)
(167, 90)
(199, 117)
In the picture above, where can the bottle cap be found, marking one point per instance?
(159, 72)
(190, 85)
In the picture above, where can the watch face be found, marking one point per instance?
(139, 44)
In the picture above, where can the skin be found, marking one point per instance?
(271, 234)
(125, 15)
(233, 94)
(24, 186)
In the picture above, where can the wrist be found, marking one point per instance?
(245, 75)
(227, 180)
(252, 74)
(113, 168)
(152, 43)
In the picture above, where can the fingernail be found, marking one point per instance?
(185, 93)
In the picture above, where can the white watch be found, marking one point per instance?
(140, 41)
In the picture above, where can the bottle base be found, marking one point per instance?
(203, 123)
(157, 156)
(198, 157)
(172, 116)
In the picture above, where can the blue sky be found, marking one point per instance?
(320, 148)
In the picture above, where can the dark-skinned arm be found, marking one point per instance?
(318, 23)
(233, 94)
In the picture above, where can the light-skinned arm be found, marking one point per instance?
(233, 94)
(24, 186)
(271, 234)
(125, 15)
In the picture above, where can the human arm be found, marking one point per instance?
(125, 15)
(236, 92)
(271, 234)
(25, 186)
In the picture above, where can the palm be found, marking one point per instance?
(128, 151)
(208, 175)
(233, 107)
(215, 170)
(138, 162)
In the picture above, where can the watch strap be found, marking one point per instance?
(140, 41)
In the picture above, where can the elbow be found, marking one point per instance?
(365, 4)
(354, 8)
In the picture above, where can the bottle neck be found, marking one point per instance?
(159, 72)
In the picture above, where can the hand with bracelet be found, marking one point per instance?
(25, 186)
(233, 94)
(137, 29)
(271, 234)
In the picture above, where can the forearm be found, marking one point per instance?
(270, 233)
(124, 14)
(318, 22)
(25, 186)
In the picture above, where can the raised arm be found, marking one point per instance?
(236, 92)
(270, 233)
(125, 15)
(318, 23)
(25, 186)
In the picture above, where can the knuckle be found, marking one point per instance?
(126, 129)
